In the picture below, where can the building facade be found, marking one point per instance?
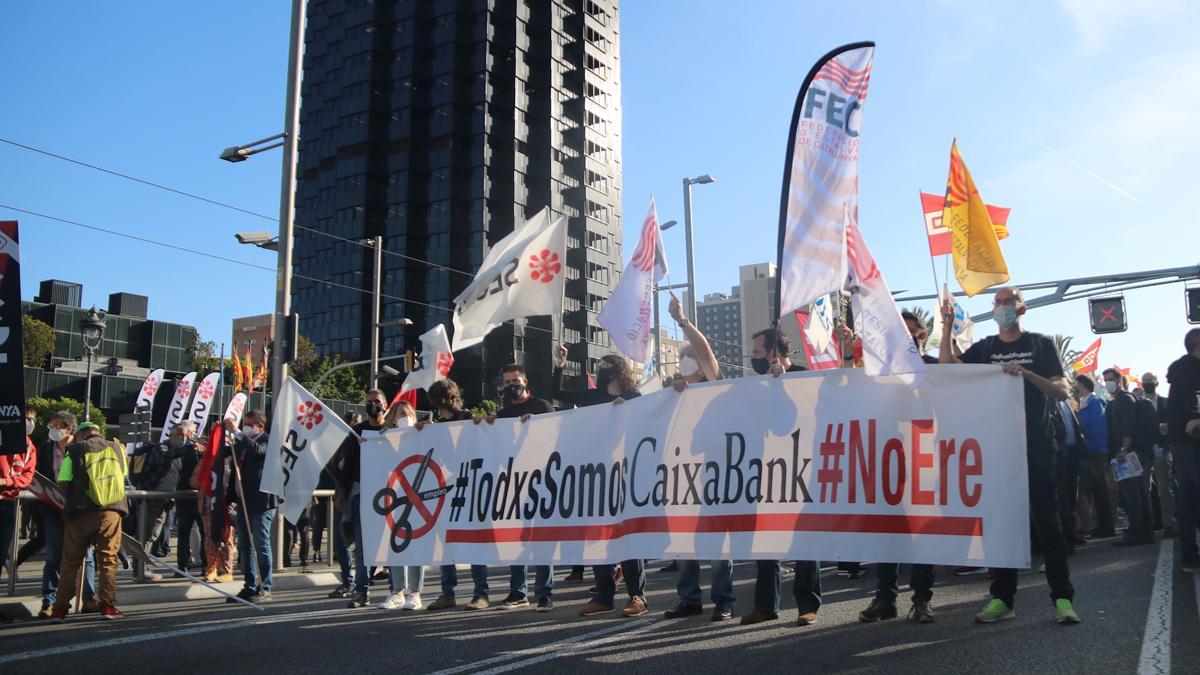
(251, 333)
(731, 320)
(439, 126)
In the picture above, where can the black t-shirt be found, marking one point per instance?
(1036, 353)
(530, 406)
(796, 368)
(350, 454)
(458, 416)
(585, 397)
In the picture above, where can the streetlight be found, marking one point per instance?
(657, 326)
(376, 242)
(92, 328)
(240, 153)
(263, 240)
(687, 229)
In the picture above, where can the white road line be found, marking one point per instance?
(1156, 642)
(576, 648)
(179, 632)
(622, 628)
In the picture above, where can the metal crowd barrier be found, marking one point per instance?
(143, 498)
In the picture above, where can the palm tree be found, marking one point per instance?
(924, 316)
(1065, 353)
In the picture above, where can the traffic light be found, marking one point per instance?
(1192, 295)
(1107, 314)
(291, 337)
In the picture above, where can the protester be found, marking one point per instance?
(1073, 451)
(16, 473)
(1124, 440)
(1093, 419)
(330, 479)
(1034, 358)
(259, 508)
(921, 576)
(158, 467)
(60, 431)
(347, 495)
(187, 511)
(615, 384)
(405, 581)
(1183, 439)
(1163, 477)
(214, 513)
(770, 352)
(697, 363)
(92, 480)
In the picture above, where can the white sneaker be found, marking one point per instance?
(394, 601)
(413, 601)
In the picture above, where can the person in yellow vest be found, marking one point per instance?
(92, 480)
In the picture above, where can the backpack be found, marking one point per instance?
(104, 472)
(150, 463)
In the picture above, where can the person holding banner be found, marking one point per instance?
(347, 493)
(770, 352)
(404, 581)
(1032, 357)
(615, 383)
(254, 506)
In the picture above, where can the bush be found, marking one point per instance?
(486, 407)
(46, 407)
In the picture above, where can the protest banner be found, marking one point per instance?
(834, 465)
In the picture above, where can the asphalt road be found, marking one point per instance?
(1128, 626)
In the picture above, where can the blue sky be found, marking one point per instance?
(157, 90)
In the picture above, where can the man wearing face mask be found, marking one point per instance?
(697, 363)
(1099, 479)
(615, 384)
(259, 508)
(770, 352)
(16, 472)
(187, 511)
(1032, 357)
(1164, 472)
(347, 492)
(163, 464)
(1123, 440)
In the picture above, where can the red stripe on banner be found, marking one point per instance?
(831, 74)
(959, 526)
(643, 256)
(856, 89)
(834, 63)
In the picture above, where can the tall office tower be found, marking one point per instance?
(439, 125)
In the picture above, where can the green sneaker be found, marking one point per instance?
(1064, 613)
(995, 610)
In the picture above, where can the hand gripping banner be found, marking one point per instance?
(828, 466)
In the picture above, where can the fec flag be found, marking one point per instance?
(978, 262)
(820, 176)
(433, 363)
(304, 437)
(523, 275)
(628, 314)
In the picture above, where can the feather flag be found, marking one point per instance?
(627, 316)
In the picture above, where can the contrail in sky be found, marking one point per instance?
(1082, 168)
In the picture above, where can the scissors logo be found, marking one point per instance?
(401, 494)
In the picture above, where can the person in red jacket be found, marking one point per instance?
(16, 473)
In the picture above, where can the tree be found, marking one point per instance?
(486, 407)
(46, 407)
(343, 384)
(1065, 354)
(37, 339)
(202, 355)
(306, 357)
(924, 316)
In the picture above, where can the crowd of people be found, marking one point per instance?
(1075, 436)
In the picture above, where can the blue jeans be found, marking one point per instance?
(342, 550)
(920, 578)
(479, 575)
(8, 529)
(185, 518)
(261, 522)
(543, 580)
(362, 577)
(688, 585)
(806, 586)
(406, 578)
(52, 526)
(606, 581)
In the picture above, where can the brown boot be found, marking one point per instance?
(758, 616)
(635, 607)
(806, 619)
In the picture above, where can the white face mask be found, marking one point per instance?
(1110, 387)
(56, 435)
(688, 366)
(249, 431)
(29, 427)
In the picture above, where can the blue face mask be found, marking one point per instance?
(1005, 316)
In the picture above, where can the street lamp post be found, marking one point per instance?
(687, 232)
(377, 243)
(92, 328)
(657, 324)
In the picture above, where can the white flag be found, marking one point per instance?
(888, 349)
(183, 392)
(202, 403)
(820, 323)
(628, 316)
(433, 363)
(963, 329)
(523, 275)
(821, 176)
(304, 437)
(237, 405)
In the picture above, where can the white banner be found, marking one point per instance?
(183, 392)
(829, 466)
(433, 363)
(203, 402)
(237, 406)
(821, 176)
(304, 437)
(821, 322)
(522, 275)
(628, 313)
(963, 329)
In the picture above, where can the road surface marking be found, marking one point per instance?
(576, 648)
(1156, 642)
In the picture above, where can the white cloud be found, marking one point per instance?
(1097, 20)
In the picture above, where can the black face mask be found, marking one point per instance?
(760, 366)
(603, 377)
(374, 409)
(514, 391)
(1150, 389)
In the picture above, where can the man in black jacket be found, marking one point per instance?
(1122, 442)
(254, 505)
(1163, 478)
(1183, 439)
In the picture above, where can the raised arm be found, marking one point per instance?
(568, 396)
(701, 351)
